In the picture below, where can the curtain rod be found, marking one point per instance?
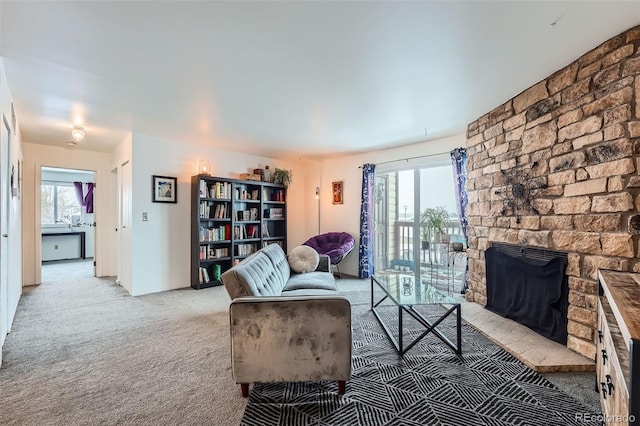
(409, 158)
(63, 181)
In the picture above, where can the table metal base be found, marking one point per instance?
(429, 326)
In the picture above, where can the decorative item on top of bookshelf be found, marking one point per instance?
(282, 177)
(267, 174)
(259, 172)
(204, 167)
(337, 191)
(164, 189)
(250, 176)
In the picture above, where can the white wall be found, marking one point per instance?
(15, 243)
(161, 246)
(160, 256)
(346, 217)
(37, 156)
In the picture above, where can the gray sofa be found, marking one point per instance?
(287, 327)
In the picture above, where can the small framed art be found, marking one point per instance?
(164, 189)
(337, 192)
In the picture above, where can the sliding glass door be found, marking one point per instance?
(415, 218)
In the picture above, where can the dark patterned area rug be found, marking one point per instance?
(429, 385)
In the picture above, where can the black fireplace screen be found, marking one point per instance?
(529, 286)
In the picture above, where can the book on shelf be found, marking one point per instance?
(247, 215)
(219, 233)
(277, 195)
(203, 275)
(244, 194)
(265, 230)
(245, 249)
(212, 253)
(276, 213)
(239, 232)
(220, 190)
(220, 212)
(204, 209)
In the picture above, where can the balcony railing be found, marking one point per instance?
(403, 238)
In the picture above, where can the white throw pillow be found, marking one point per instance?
(303, 259)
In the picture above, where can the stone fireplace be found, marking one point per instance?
(556, 167)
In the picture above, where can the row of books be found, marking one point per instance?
(220, 233)
(204, 276)
(277, 195)
(274, 213)
(243, 232)
(243, 194)
(245, 215)
(245, 249)
(219, 210)
(215, 190)
(207, 253)
(265, 230)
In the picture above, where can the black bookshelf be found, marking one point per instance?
(230, 220)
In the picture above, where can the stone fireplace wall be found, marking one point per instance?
(572, 142)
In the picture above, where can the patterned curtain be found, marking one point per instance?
(365, 268)
(459, 161)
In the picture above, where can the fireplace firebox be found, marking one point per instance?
(529, 286)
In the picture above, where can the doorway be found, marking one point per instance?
(5, 298)
(67, 224)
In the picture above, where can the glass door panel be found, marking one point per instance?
(404, 241)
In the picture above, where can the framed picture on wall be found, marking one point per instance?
(337, 191)
(164, 189)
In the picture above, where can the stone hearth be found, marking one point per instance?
(556, 167)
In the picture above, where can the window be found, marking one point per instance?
(58, 203)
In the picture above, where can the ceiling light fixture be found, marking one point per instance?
(77, 133)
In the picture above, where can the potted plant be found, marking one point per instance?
(434, 221)
(282, 177)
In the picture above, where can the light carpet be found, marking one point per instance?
(84, 352)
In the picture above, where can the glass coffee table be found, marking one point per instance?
(406, 292)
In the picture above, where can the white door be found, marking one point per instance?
(4, 229)
(114, 235)
(124, 266)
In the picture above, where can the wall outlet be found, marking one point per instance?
(145, 216)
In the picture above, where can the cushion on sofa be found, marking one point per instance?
(311, 280)
(303, 259)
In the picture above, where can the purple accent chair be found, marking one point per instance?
(336, 245)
